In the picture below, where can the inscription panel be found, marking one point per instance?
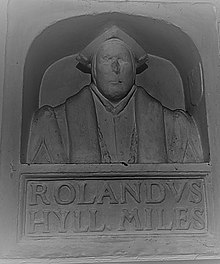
(60, 206)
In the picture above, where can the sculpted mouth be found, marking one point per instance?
(116, 82)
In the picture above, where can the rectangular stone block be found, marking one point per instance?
(70, 206)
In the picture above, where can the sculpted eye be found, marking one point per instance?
(122, 60)
(105, 58)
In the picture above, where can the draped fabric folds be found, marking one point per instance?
(69, 133)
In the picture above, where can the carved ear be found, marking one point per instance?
(84, 64)
(142, 68)
(83, 68)
(142, 64)
(142, 60)
(84, 60)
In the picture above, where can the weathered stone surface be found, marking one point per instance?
(57, 206)
(153, 197)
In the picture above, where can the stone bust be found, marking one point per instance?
(112, 120)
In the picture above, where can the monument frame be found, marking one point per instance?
(13, 170)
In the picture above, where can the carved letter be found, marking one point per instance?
(130, 217)
(62, 215)
(43, 221)
(161, 221)
(177, 193)
(197, 216)
(77, 220)
(195, 192)
(82, 194)
(135, 193)
(182, 218)
(107, 192)
(149, 212)
(93, 222)
(152, 189)
(70, 193)
(38, 190)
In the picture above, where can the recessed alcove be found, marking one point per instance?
(170, 49)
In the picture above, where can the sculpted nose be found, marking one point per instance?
(116, 67)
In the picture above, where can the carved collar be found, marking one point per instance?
(114, 109)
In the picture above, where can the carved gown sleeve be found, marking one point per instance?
(182, 137)
(45, 143)
(194, 152)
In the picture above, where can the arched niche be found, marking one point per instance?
(157, 37)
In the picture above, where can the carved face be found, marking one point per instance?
(113, 71)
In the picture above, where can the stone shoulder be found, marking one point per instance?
(178, 115)
(44, 112)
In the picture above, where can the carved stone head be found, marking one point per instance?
(113, 59)
(113, 69)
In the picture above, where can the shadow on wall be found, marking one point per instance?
(174, 76)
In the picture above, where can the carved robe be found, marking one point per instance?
(69, 133)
